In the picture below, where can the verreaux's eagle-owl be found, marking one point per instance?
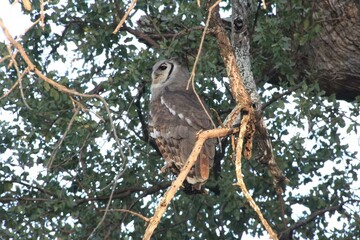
(176, 116)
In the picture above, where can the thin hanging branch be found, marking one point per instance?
(240, 181)
(192, 75)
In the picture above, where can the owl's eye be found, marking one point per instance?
(163, 67)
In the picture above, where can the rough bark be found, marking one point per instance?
(262, 150)
(335, 54)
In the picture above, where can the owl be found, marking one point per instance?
(176, 116)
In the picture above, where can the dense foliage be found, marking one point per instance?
(59, 155)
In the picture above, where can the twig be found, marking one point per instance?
(192, 75)
(286, 234)
(120, 173)
(125, 16)
(131, 212)
(278, 96)
(21, 88)
(170, 193)
(32, 186)
(20, 76)
(142, 36)
(57, 147)
(4, 58)
(42, 15)
(66, 90)
(126, 192)
(10, 90)
(240, 181)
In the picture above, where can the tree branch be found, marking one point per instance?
(131, 212)
(125, 192)
(287, 233)
(240, 181)
(278, 96)
(170, 193)
(125, 16)
(62, 88)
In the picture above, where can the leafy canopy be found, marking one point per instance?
(311, 133)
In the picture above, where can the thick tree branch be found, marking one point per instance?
(238, 89)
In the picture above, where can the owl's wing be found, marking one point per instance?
(175, 119)
(186, 106)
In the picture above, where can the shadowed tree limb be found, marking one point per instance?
(287, 233)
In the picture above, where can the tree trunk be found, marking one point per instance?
(335, 53)
(262, 150)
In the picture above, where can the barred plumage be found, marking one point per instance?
(176, 116)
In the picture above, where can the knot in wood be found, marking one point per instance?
(238, 23)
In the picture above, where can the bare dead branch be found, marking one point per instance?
(263, 3)
(26, 5)
(4, 58)
(240, 180)
(42, 15)
(192, 75)
(125, 16)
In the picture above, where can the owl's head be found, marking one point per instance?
(169, 73)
